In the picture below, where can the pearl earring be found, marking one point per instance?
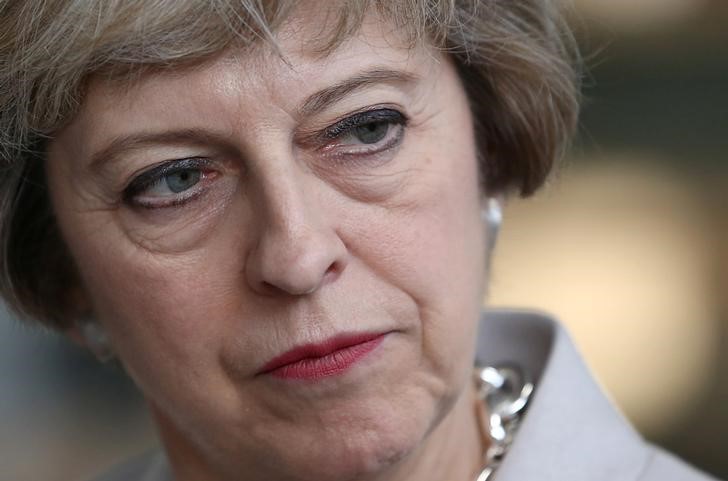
(492, 215)
(96, 339)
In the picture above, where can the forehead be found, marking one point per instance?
(276, 76)
(306, 44)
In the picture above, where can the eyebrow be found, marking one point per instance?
(329, 95)
(138, 141)
(312, 105)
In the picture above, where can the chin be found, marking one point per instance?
(358, 455)
(360, 445)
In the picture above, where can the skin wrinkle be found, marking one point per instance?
(117, 148)
(45, 91)
(193, 326)
(377, 76)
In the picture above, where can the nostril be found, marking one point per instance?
(332, 272)
(333, 268)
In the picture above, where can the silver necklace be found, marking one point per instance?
(504, 392)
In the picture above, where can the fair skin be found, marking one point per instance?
(281, 236)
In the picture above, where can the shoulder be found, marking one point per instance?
(151, 466)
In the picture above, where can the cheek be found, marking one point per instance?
(432, 248)
(441, 236)
(168, 323)
(152, 285)
(157, 308)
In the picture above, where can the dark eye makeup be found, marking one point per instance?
(368, 118)
(180, 175)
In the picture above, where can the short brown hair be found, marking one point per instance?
(516, 60)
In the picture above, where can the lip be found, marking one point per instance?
(329, 358)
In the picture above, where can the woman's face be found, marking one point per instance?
(225, 214)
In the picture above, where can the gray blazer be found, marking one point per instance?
(571, 432)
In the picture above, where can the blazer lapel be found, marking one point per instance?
(570, 431)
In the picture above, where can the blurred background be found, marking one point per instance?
(628, 246)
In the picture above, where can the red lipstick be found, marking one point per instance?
(328, 358)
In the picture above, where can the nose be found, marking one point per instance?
(297, 249)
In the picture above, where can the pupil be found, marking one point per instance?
(182, 180)
(371, 133)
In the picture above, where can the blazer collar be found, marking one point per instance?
(570, 431)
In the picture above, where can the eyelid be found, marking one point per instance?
(151, 176)
(352, 120)
(363, 118)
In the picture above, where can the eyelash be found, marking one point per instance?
(363, 118)
(157, 174)
(339, 130)
(347, 155)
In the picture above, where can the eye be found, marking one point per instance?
(171, 183)
(178, 181)
(365, 133)
(372, 132)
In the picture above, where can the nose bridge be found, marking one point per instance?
(297, 248)
(283, 201)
